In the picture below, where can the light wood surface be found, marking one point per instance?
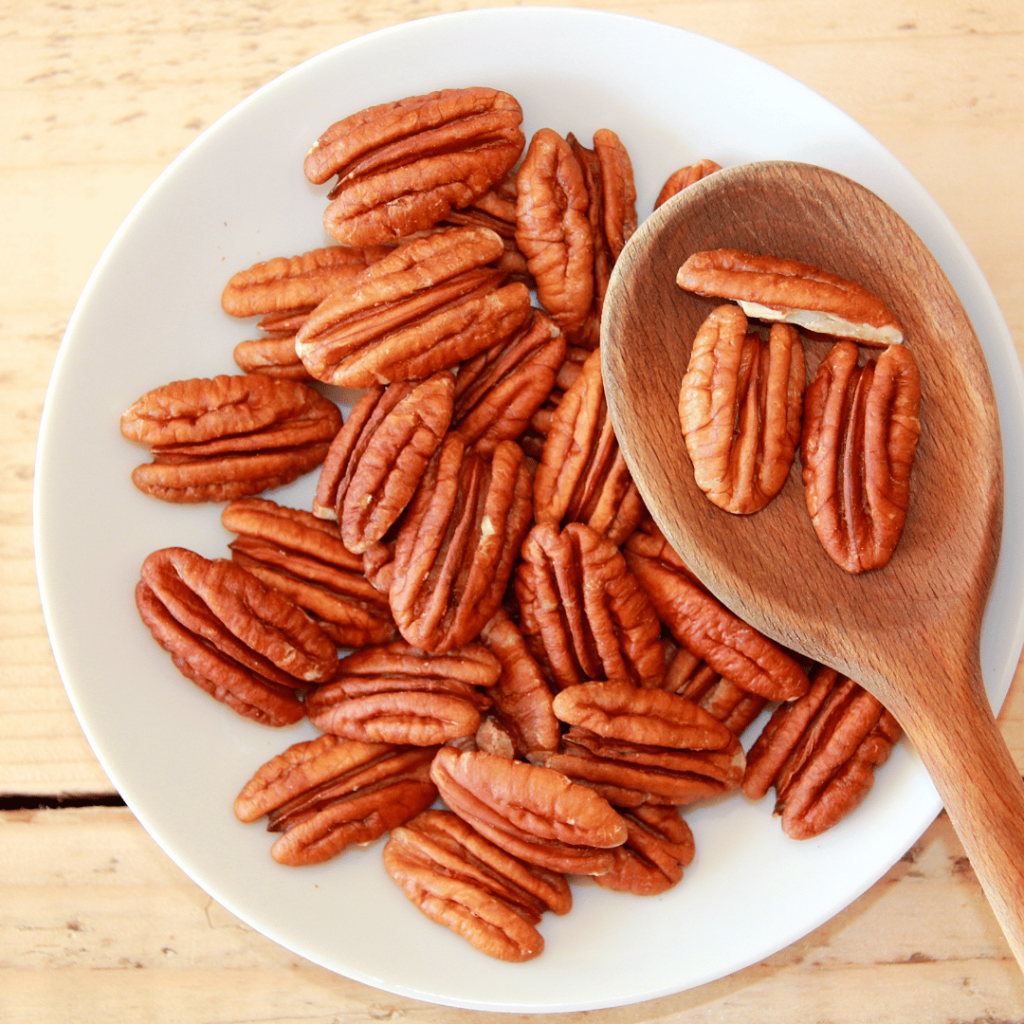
(96, 924)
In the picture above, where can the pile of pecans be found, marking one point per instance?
(477, 606)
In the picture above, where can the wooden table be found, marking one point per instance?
(95, 100)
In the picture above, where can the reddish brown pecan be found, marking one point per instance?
(521, 696)
(304, 557)
(582, 476)
(498, 391)
(326, 794)
(219, 438)
(379, 456)
(530, 811)
(552, 229)
(660, 845)
(861, 429)
(820, 753)
(772, 288)
(584, 610)
(684, 177)
(404, 166)
(274, 356)
(247, 645)
(706, 627)
(432, 303)
(457, 544)
(740, 407)
(461, 880)
(398, 694)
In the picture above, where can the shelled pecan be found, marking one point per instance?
(225, 437)
(499, 390)
(467, 883)
(430, 304)
(402, 167)
(304, 557)
(740, 409)
(244, 643)
(684, 177)
(329, 793)
(773, 288)
(377, 459)
(398, 694)
(820, 753)
(706, 627)
(582, 476)
(458, 542)
(274, 355)
(530, 811)
(651, 861)
(861, 428)
(585, 612)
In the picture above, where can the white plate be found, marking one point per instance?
(150, 314)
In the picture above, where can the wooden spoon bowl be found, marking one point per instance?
(909, 632)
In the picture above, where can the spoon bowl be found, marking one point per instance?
(910, 631)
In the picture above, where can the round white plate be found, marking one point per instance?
(151, 314)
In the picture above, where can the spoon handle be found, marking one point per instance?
(983, 793)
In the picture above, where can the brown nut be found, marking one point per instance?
(461, 880)
(552, 229)
(398, 694)
(219, 438)
(379, 456)
(402, 167)
(706, 627)
(684, 177)
(247, 645)
(861, 428)
(432, 303)
(582, 476)
(530, 811)
(303, 557)
(585, 610)
(772, 288)
(457, 544)
(740, 408)
(651, 861)
(274, 356)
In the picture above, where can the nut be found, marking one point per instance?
(772, 288)
(401, 167)
(861, 429)
(740, 407)
(430, 304)
(458, 542)
(651, 861)
(219, 438)
(684, 177)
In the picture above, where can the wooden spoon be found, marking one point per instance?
(909, 632)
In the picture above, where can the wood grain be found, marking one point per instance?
(95, 101)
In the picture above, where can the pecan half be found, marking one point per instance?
(457, 544)
(274, 356)
(245, 644)
(498, 391)
(530, 811)
(377, 459)
(219, 438)
(552, 228)
(659, 846)
(772, 288)
(467, 883)
(861, 428)
(582, 476)
(304, 557)
(706, 627)
(326, 794)
(740, 408)
(685, 176)
(402, 167)
(585, 610)
(398, 694)
(430, 304)
(820, 753)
